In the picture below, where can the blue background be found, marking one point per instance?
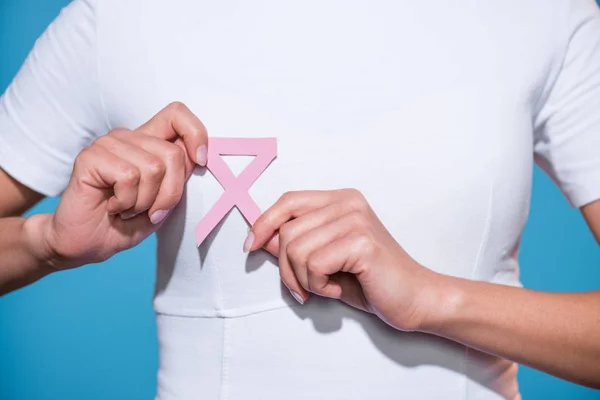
(90, 333)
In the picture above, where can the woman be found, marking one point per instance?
(431, 113)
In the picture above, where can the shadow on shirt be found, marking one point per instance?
(408, 349)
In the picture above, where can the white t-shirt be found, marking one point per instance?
(434, 110)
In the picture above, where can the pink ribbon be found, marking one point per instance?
(236, 188)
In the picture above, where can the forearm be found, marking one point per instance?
(558, 333)
(24, 257)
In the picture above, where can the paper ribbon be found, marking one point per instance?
(236, 188)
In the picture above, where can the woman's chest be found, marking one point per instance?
(427, 112)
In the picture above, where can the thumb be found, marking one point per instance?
(272, 245)
(176, 121)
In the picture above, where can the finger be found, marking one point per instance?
(330, 270)
(351, 291)
(98, 168)
(272, 245)
(290, 205)
(177, 121)
(300, 248)
(136, 229)
(171, 187)
(312, 220)
(288, 278)
(151, 167)
(287, 274)
(297, 228)
(189, 163)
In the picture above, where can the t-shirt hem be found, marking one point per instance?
(204, 312)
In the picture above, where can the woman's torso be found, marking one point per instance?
(426, 107)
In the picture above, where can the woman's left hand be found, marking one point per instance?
(332, 244)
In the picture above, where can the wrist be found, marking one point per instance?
(36, 231)
(445, 300)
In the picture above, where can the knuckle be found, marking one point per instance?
(130, 176)
(84, 154)
(294, 251)
(117, 132)
(357, 220)
(365, 244)
(103, 141)
(356, 193)
(174, 154)
(177, 107)
(286, 232)
(314, 264)
(356, 199)
(284, 197)
(288, 199)
(154, 168)
(83, 158)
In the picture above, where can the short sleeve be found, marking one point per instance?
(53, 109)
(567, 127)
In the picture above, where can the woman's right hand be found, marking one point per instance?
(122, 188)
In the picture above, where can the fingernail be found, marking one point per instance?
(158, 216)
(201, 156)
(128, 214)
(248, 242)
(298, 298)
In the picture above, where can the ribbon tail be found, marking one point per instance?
(213, 217)
(248, 208)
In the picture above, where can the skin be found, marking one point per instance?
(329, 243)
(121, 190)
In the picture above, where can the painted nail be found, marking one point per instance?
(298, 298)
(158, 216)
(201, 156)
(248, 242)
